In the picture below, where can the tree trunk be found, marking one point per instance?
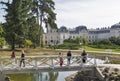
(13, 43)
(40, 30)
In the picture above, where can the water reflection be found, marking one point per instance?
(46, 76)
(21, 77)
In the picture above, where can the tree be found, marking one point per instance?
(43, 9)
(1, 31)
(118, 40)
(113, 40)
(83, 40)
(21, 21)
(77, 40)
(32, 32)
(18, 11)
(2, 39)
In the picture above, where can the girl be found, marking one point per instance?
(61, 59)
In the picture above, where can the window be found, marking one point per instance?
(89, 37)
(73, 37)
(63, 37)
(45, 42)
(51, 40)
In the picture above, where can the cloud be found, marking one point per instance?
(93, 13)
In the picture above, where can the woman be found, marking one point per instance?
(22, 59)
(84, 56)
(13, 57)
(69, 55)
(13, 54)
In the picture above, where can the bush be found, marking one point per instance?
(2, 42)
(28, 43)
(103, 46)
(67, 46)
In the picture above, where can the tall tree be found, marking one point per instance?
(44, 10)
(21, 20)
(32, 33)
(15, 26)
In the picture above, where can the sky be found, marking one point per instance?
(91, 13)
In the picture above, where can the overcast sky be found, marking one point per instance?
(91, 13)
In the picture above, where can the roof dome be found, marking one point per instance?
(115, 26)
(63, 29)
(79, 28)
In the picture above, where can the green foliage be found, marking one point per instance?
(2, 42)
(50, 76)
(72, 44)
(70, 41)
(32, 33)
(19, 21)
(78, 40)
(1, 30)
(104, 41)
(67, 46)
(2, 39)
(113, 39)
(28, 43)
(44, 11)
(21, 77)
(115, 61)
(111, 43)
(15, 26)
(84, 41)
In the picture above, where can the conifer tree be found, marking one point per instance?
(18, 11)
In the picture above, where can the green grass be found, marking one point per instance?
(98, 49)
(92, 49)
(114, 61)
(30, 51)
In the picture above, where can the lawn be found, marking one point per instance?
(46, 51)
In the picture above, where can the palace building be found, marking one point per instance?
(57, 36)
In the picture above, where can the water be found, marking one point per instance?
(45, 76)
(52, 76)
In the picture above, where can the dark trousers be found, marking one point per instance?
(84, 59)
(22, 61)
(69, 58)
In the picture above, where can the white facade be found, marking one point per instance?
(54, 36)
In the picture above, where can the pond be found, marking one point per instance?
(45, 76)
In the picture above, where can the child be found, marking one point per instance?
(61, 59)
